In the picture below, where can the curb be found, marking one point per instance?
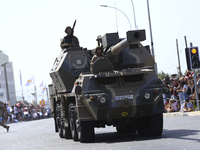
(174, 114)
(181, 114)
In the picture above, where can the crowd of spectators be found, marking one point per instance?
(21, 112)
(180, 93)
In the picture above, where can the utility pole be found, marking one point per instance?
(152, 47)
(185, 42)
(47, 96)
(178, 58)
(35, 95)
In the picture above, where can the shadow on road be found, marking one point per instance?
(115, 137)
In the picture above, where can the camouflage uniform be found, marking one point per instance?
(70, 39)
(2, 111)
(95, 57)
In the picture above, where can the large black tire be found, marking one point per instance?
(86, 132)
(119, 128)
(59, 121)
(151, 125)
(67, 132)
(85, 129)
(155, 125)
(72, 121)
(55, 117)
(55, 123)
(142, 126)
(60, 129)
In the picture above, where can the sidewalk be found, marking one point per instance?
(181, 114)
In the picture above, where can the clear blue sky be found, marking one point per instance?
(30, 30)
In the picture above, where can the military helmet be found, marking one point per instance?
(67, 28)
(98, 47)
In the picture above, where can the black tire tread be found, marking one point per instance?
(150, 125)
(74, 135)
(155, 125)
(87, 132)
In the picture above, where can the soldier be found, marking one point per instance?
(98, 54)
(70, 40)
(2, 111)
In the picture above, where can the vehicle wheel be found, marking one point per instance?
(67, 133)
(86, 132)
(55, 117)
(56, 126)
(72, 122)
(58, 116)
(60, 129)
(85, 129)
(151, 125)
(142, 125)
(59, 121)
(119, 128)
(155, 125)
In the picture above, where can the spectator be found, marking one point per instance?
(189, 92)
(173, 76)
(187, 106)
(166, 94)
(15, 112)
(178, 106)
(179, 90)
(186, 90)
(198, 84)
(166, 106)
(173, 88)
(172, 107)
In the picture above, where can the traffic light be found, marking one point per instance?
(194, 57)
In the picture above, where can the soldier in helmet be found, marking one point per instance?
(70, 40)
(98, 54)
(2, 112)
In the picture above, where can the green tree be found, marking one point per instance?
(162, 75)
(178, 74)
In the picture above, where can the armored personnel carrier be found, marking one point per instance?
(123, 91)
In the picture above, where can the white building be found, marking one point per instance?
(7, 84)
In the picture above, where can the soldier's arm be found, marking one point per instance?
(76, 42)
(94, 58)
(63, 45)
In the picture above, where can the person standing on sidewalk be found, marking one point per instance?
(2, 112)
(198, 85)
(180, 91)
(173, 88)
(186, 90)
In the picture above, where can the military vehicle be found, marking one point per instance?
(123, 91)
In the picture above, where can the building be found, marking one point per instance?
(7, 84)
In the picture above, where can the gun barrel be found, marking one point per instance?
(133, 36)
(74, 25)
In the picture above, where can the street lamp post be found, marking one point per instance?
(118, 10)
(134, 15)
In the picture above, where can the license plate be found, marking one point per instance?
(122, 97)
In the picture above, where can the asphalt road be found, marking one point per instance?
(179, 133)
